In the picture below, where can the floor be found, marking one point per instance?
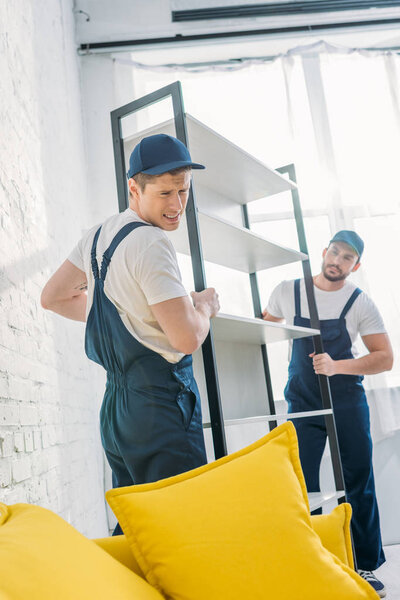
(389, 572)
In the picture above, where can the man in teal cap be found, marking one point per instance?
(141, 326)
(344, 312)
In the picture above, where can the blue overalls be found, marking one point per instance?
(353, 428)
(150, 419)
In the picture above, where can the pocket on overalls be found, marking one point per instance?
(186, 398)
(329, 334)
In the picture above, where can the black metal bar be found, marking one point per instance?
(317, 340)
(278, 9)
(323, 380)
(255, 294)
(119, 162)
(199, 276)
(175, 92)
(86, 47)
(118, 142)
(145, 101)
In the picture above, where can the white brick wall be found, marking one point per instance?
(50, 453)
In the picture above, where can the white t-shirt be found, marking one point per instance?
(143, 271)
(363, 318)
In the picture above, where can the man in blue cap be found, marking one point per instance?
(344, 312)
(141, 326)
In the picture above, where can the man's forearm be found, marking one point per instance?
(203, 323)
(375, 362)
(73, 308)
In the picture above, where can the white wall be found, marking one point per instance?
(106, 85)
(49, 393)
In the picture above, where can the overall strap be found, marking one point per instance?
(95, 267)
(350, 302)
(297, 309)
(122, 233)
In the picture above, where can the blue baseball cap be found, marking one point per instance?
(157, 154)
(351, 238)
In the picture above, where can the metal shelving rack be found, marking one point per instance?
(244, 251)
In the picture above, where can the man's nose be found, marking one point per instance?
(176, 201)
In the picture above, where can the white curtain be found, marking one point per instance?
(335, 113)
(353, 99)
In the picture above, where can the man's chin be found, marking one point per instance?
(334, 278)
(169, 226)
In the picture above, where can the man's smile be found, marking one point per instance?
(172, 217)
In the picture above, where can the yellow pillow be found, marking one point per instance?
(333, 529)
(118, 548)
(236, 528)
(334, 532)
(44, 558)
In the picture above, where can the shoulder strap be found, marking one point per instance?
(350, 302)
(297, 309)
(122, 233)
(95, 266)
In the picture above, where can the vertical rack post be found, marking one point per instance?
(174, 91)
(317, 340)
(255, 294)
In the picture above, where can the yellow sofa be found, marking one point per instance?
(42, 557)
(236, 529)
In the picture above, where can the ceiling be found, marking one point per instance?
(146, 28)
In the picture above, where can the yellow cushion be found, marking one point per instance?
(236, 528)
(44, 558)
(334, 532)
(118, 547)
(333, 529)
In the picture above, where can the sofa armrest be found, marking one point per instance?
(118, 547)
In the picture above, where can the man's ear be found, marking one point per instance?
(356, 267)
(133, 188)
(324, 251)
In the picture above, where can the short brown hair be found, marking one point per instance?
(143, 178)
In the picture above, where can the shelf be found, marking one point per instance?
(229, 169)
(230, 328)
(232, 179)
(276, 417)
(318, 499)
(235, 247)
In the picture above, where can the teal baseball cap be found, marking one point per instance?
(351, 238)
(160, 153)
